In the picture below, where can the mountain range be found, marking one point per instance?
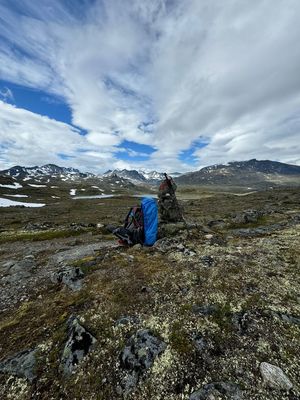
(238, 173)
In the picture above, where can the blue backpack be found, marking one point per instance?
(150, 217)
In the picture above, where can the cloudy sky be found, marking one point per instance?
(161, 84)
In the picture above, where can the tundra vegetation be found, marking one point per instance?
(208, 312)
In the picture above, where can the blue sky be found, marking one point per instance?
(163, 85)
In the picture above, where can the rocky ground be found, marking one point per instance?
(209, 312)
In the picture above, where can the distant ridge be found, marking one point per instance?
(243, 173)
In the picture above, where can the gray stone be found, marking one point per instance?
(274, 377)
(80, 342)
(218, 390)
(246, 217)
(199, 342)
(35, 226)
(241, 321)
(21, 364)
(70, 276)
(80, 251)
(208, 261)
(18, 270)
(291, 319)
(220, 223)
(137, 247)
(138, 356)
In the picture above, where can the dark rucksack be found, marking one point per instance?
(134, 225)
(140, 224)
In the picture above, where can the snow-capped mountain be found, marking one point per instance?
(140, 176)
(48, 170)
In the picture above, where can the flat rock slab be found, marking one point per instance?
(21, 364)
(81, 251)
(274, 377)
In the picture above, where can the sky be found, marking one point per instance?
(168, 85)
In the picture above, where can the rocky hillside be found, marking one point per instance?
(252, 173)
(209, 312)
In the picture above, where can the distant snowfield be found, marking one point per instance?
(15, 195)
(12, 203)
(33, 185)
(73, 192)
(14, 186)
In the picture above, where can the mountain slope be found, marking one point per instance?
(44, 170)
(244, 173)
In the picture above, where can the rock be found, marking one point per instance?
(137, 247)
(208, 261)
(35, 226)
(138, 356)
(21, 364)
(18, 270)
(241, 322)
(262, 230)
(291, 319)
(180, 247)
(199, 342)
(220, 223)
(70, 276)
(246, 217)
(7, 265)
(163, 245)
(78, 345)
(80, 252)
(146, 289)
(206, 309)
(217, 390)
(274, 377)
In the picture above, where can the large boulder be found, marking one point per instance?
(139, 355)
(70, 276)
(21, 365)
(79, 344)
(274, 377)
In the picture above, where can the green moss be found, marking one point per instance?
(223, 317)
(179, 338)
(40, 235)
(261, 221)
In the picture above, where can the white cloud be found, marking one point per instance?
(226, 72)
(38, 140)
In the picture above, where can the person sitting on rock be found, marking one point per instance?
(168, 206)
